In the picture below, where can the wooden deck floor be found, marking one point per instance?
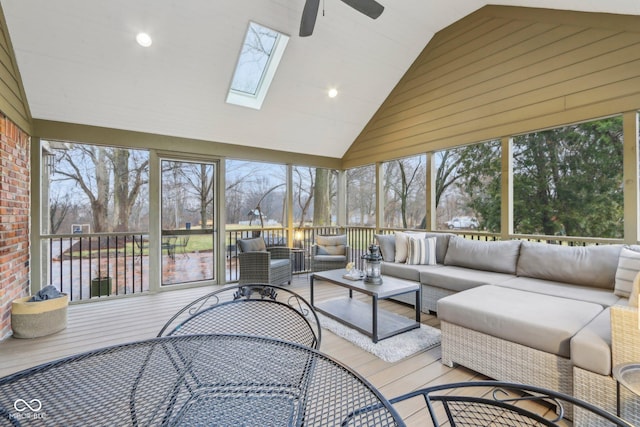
(95, 325)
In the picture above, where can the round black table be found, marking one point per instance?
(191, 380)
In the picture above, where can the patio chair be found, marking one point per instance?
(181, 244)
(501, 404)
(258, 310)
(330, 253)
(259, 264)
(140, 245)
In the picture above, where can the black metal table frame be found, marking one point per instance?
(373, 334)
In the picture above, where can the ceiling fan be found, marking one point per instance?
(371, 8)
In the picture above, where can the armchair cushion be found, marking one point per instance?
(331, 240)
(252, 245)
(331, 250)
(331, 245)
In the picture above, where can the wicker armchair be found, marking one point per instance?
(329, 253)
(259, 264)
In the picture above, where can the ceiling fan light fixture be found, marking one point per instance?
(144, 39)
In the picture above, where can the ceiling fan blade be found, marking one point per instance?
(371, 8)
(309, 15)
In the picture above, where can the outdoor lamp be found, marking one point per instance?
(372, 265)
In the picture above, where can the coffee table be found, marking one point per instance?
(372, 321)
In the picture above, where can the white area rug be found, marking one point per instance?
(390, 349)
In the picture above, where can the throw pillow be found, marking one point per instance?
(402, 244)
(421, 251)
(628, 268)
(635, 292)
(252, 245)
(331, 240)
(387, 243)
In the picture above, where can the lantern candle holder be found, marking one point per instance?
(372, 265)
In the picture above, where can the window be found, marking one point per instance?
(568, 180)
(259, 58)
(361, 196)
(468, 187)
(255, 194)
(314, 196)
(405, 192)
(95, 189)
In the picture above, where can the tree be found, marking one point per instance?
(569, 180)
(404, 189)
(322, 198)
(566, 180)
(102, 173)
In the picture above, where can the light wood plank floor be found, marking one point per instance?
(95, 325)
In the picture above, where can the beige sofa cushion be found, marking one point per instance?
(600, 296)
(500, 257)
(459, 278)
(585, 265)
(538, 321)
(387, 244)
(591, 346)
(405, 271)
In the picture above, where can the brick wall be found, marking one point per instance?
(15, 176)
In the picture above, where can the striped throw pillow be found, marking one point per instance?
(421, 251)
(628, 268)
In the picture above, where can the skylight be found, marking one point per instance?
(261, 53)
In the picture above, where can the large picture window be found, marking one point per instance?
(255, 194)
(405, 192)
(95, 189)
(468, 187)
(568, 180)
(314, 196)
(361, 196)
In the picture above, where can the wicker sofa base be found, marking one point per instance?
(504, 360)
(430, 297)
(600, 390)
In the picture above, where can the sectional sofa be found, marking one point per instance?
(532, 313)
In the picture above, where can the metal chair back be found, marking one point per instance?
(257, 309)
(502, 404)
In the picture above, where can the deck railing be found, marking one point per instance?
(101, 265)
(97, 264)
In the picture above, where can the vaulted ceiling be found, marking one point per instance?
(80, 63)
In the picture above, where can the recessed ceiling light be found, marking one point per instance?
(333, 92)
(144, 39)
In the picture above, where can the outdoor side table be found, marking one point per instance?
(627, 375)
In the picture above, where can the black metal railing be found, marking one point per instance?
(102, 265)
(97, 265)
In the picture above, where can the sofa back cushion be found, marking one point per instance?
(579, 265)
(500, 257)
(387, 244)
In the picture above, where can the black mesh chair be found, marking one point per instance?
(257, 310)
(494, 403)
